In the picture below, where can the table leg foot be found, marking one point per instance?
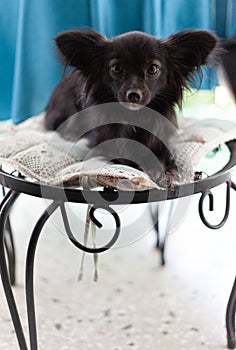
(231, 344)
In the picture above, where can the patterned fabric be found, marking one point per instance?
(46, 158)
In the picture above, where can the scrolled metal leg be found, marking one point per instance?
(5, 207)
(230, 318)
(86, 249)
(231, 307)
(29, 272)
(10, 250)
(162, 225)
(209, 194)
(160, 244)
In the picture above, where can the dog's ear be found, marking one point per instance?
(191, 48)
(187, 51)
(79, 48)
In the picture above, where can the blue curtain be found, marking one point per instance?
(29, 68)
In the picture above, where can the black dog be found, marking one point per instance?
(136, 70)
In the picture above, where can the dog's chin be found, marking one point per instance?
(132, 106)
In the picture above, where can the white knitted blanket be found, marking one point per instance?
(27, 148)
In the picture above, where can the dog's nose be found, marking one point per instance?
(134, 95)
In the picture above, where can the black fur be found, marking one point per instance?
(136, 69)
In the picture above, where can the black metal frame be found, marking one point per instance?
(10, 247)
(98, 199)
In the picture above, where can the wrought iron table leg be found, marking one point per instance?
(10, 250)
(29, 272)
(5, 207)
(230, 318)
(231, 307)
(162, 234)
(160, 245)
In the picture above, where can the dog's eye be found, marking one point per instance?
(116, 68)
(153, 69)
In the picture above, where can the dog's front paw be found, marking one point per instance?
(170, 179)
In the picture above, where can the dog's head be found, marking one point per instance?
(135, 68)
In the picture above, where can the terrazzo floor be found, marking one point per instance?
(136, 303)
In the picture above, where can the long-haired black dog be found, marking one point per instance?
(136, 70)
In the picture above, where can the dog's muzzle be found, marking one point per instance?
(134, 99)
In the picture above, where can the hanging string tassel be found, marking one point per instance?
(88, 225)
(86, 232)
(95, 255)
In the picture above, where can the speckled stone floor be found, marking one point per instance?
(136, 303)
